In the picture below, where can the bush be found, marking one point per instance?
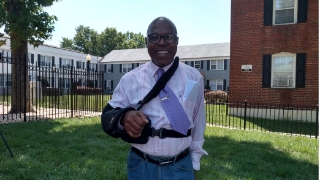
(216, 96)
(87, 90)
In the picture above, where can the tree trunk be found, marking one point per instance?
(20, 88)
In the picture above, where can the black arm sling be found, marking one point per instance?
(110, 117)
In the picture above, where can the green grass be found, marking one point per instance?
(79, 149)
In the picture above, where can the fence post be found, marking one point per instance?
(25, 86)
(71, 91)
(317, 121)
(245, 114)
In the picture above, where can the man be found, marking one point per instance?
(174, 156)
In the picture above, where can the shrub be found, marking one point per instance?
(216, 96)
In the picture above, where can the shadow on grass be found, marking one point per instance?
(81, 150)
(230, 159)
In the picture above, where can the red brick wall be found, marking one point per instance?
(250, 40)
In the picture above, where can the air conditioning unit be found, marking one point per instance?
(282, 82)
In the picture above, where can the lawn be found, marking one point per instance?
(79, 149)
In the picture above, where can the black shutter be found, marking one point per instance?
(83, 65)
(60, 60)
(39, 60)
(132, 66)
(111, 84)
(268, 11)
(112, 68)
(96, 68)
(1, 55)
(137, 64)
(186, 62)
(224, 84)
(208, 65)
(266, 71)
(208, 82)
(192, 63)
(52, 61)
(225, 64)
(32, 58)
(302, 11)
(201, 64)
(120, 68)
(71, 62)
(301, 70)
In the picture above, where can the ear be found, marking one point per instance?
(177, 40)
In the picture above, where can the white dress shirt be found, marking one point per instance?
(187, 84)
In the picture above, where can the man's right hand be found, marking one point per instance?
(133, 123)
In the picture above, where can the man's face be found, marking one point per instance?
(162, 53)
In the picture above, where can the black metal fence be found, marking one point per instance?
(280, 118)
(52, 92)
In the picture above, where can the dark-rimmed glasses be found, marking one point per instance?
(168, 38)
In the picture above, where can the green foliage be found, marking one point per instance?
(207, 87)
(90, 41)
(44, 83)
(25, 20)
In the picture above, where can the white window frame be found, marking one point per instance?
(278, 82)
(45, 61)
(216, 64)
(66, 63)
(295, 13)
(197, 64)
(109, 68)
(126, 68)
(215, 83)
(108, 84)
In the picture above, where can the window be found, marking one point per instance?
(278, 12)
(197, 64)
(217, 64)
(126, 68)
(109, 84)
(109, 68)
(216, 84)
(45, 61)
(66, 63)
(141, 64)
(79, 65)
(285, 12)
(283, 70)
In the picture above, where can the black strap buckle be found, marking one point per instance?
(160, 132)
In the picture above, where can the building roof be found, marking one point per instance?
(184, 53)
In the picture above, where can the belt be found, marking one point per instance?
(163, 133)
(166, 161)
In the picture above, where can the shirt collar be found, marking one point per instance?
(154, 68)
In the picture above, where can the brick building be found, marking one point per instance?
(277, 41)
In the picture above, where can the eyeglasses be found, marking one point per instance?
(168, 38)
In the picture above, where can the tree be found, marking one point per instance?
(90, 42)
(25, 22)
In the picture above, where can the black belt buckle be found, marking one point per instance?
(161, 133)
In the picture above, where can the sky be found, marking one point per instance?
(197, 21)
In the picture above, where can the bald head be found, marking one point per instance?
(161, 19)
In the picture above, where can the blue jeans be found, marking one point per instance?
(139, 169)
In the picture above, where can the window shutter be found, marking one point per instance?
(83, 65)
(39, 60)
(192, 63)
(1, 55)
(71, 62)
(201, 64)
(208, 65)
(132, 66)
(52, 61)
(111, 84)
(60, 62)
(266, 71)
(268, 11)
(301, 70)
(120, 68)
(112, 68)
(302, 11)
(32, 58)
(186, 62)
(224, 84)
(208, 82)
(137, 64)
(225, 64)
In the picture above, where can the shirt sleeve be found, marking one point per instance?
(197, 132)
